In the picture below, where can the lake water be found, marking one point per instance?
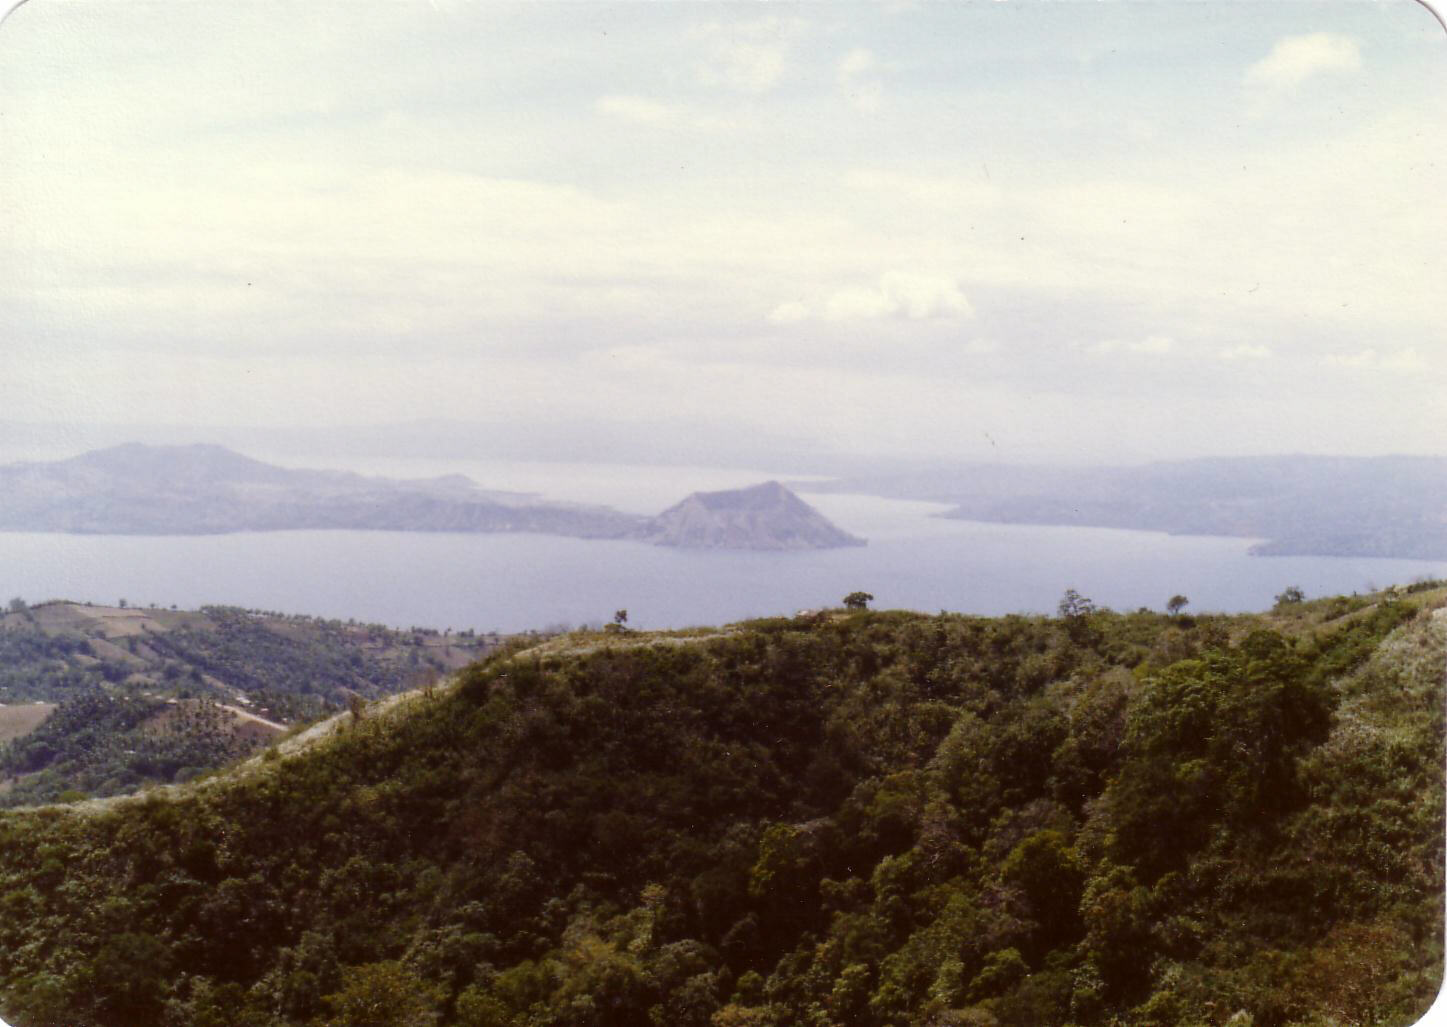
(514, 582)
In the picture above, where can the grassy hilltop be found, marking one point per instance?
(844, 819)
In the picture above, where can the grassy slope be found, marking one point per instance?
(873, 819)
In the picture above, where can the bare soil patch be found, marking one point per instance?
(19, 720)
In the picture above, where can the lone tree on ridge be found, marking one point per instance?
(1291, 596)
(1074, 606)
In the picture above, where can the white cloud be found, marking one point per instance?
(634, 108)
(750, 57)
(1245, 351)
(902, 295)
(858, 77)
(1295, 59)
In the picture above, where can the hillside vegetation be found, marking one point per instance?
(845, 819)
(152, 696)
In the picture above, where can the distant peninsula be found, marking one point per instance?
(136, 489)
(1388, 506)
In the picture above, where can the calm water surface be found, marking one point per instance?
(514, 582)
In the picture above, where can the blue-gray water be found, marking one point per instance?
(515, 582)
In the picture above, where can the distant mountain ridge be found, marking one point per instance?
(1390, 506)
(136, 489)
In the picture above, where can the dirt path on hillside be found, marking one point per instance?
(247, 715)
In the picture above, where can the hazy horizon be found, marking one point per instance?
(1018, 233)
(435, 445)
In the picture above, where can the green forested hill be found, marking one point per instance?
(147, 695)
(863, 819)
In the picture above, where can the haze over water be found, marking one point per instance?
(514, 582)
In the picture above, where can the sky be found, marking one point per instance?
(1013, 231)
